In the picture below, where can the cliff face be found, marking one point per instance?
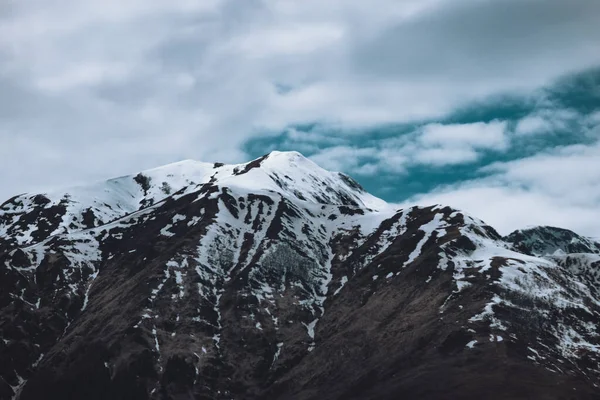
(277, 279)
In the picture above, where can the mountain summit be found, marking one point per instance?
(277, 279)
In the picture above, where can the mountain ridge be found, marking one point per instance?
(268, 279)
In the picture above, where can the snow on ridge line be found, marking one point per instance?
(292, 172)
(286, 173)
(125, 193)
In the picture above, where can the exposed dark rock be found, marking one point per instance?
(143, 181)
(216, 292)
(166, 188)
(252, 164)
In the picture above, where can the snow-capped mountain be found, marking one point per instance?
(277, 279)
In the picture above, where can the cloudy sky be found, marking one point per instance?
(489, 106)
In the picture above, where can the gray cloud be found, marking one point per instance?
(519, 42)
(94, 89)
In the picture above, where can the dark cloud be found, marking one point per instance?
(512, 40)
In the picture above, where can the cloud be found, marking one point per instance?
(508, 209)
(433, 145)
(459, 143)
(547, 120)
(533, 124)
(91, 89)
(485, 45)
(365, 161)
(560, 188)
(449, 156)
(289, 40)
(84, 75)
(478, 135)
(344, 158)
(593, 121)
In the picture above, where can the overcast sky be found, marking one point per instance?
(412, 93)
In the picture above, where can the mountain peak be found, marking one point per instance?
(245, 281)
(290, 154)
(287, 174)
(550, 240)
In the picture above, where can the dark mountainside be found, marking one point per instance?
(277, 279)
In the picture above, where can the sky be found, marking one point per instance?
(492, 107)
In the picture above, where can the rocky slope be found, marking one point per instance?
(277, 279)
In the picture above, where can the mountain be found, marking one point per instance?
(551, 241)
(277, 279)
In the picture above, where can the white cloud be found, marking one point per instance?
(546, 121)
(459, 143)
(560, 188)
(343, 158)
(447, 156)
(367, 169)
(478, 135)
(532, 124)
(570, 175)
(510, 208)
(433, 144)
(452, 144)
(392, 160)
(84, 75)
(289, 40)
